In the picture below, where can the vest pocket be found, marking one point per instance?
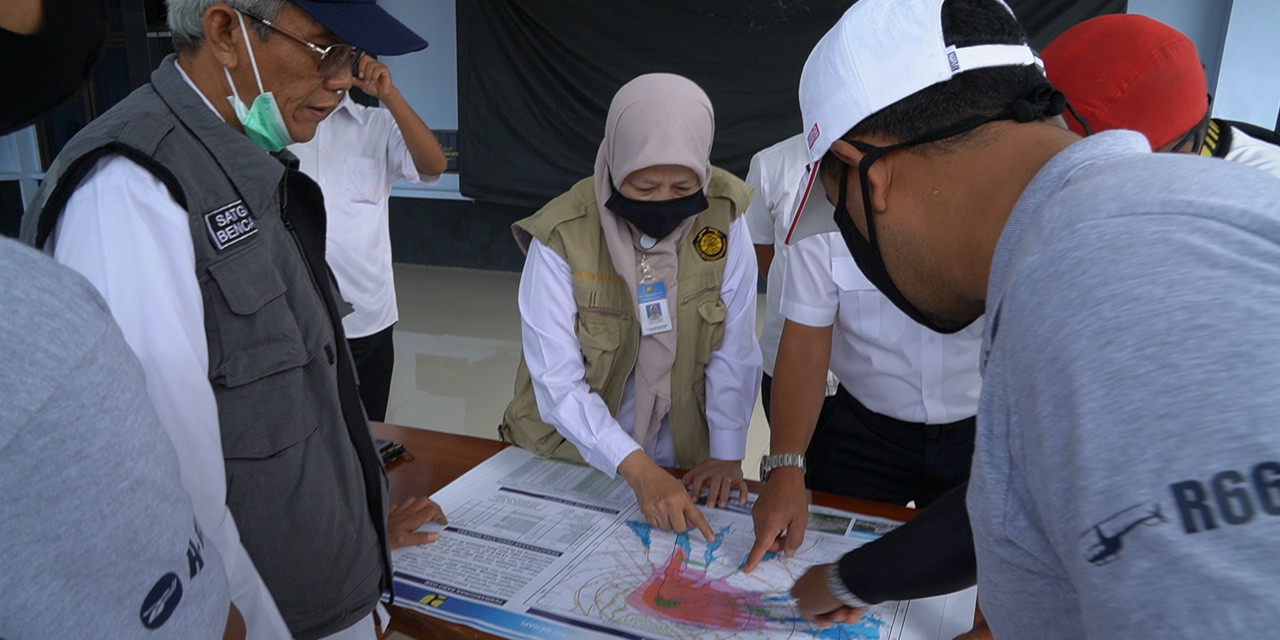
(600, 336)
(711, 331)
(256, 334)
(256, 357)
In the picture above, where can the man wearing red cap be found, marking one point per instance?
(1128, 71)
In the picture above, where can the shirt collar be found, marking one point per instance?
(191, 83)
(350, 108)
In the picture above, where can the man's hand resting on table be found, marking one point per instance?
(405, 518)
(720, 477)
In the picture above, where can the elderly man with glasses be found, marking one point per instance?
(181, 206)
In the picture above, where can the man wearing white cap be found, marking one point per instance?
(1126, 475)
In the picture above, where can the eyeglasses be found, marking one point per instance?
(332, 57)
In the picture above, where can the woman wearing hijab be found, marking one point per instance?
(637, 305)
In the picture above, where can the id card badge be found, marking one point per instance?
(654, 311)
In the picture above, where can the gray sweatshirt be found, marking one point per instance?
(1126, 480)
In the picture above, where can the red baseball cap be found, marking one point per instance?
(1128, 71)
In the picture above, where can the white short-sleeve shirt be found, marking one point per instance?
(355, 157)
(890, 363)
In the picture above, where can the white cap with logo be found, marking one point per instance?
(880, 52)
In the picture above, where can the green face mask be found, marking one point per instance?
(263, 123)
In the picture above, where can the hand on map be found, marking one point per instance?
(664, 501)
(780, 514)
(405, 518)
(816, 602)
(720, 477)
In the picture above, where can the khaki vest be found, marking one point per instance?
(606, 324)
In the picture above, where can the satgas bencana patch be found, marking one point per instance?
(229, 224)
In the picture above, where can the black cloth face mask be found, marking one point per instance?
(657, 218)
(1040, 102)
(50, 65)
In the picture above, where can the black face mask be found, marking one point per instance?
(1043, 101)
(51, 64)
(657, 218)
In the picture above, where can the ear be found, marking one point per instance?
(878, 177)
(222, 35)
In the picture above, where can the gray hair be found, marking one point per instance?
(186, 18)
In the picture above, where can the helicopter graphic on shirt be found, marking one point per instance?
(1105, 547)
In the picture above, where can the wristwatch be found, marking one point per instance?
(769, 463)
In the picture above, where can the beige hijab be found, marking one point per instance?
(656, 119)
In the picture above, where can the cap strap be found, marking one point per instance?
(989, 55)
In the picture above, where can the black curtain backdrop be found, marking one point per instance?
(535, 77)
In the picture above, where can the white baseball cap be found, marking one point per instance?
(879, 52)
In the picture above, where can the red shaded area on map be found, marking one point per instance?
(679, 593)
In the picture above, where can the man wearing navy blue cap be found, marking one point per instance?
(182, 207)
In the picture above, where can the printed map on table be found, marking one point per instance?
(538, 549)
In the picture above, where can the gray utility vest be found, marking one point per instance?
(304, 480)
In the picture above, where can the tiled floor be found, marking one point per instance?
(457, 349)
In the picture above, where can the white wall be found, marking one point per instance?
(429, 78)
(1238, 45)
(1249, 84)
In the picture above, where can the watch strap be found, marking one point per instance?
(770, 462)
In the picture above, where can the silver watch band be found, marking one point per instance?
(770, 462)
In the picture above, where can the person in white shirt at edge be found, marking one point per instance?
(900, 427)
(600, 381)
(768, 217)
(358, 152)
(163, 314)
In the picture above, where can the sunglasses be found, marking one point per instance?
(332, 57)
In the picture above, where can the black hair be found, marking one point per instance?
(969, 95)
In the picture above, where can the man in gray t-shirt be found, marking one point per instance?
(97, 535)
(1126, 475)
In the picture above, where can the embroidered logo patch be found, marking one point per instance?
(229, 225)
(710, 243)
(813, 135)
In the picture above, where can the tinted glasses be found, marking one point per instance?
(332, 57)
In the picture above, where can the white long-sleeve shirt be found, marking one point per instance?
(123, 231)
(554, 357)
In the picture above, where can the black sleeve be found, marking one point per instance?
(930, 555)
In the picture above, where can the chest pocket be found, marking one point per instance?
(257, 357)
(600, 335)
(874, 316)
(362, 179)
(252, 332)
(711, 333)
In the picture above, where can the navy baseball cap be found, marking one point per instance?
(364, 24)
